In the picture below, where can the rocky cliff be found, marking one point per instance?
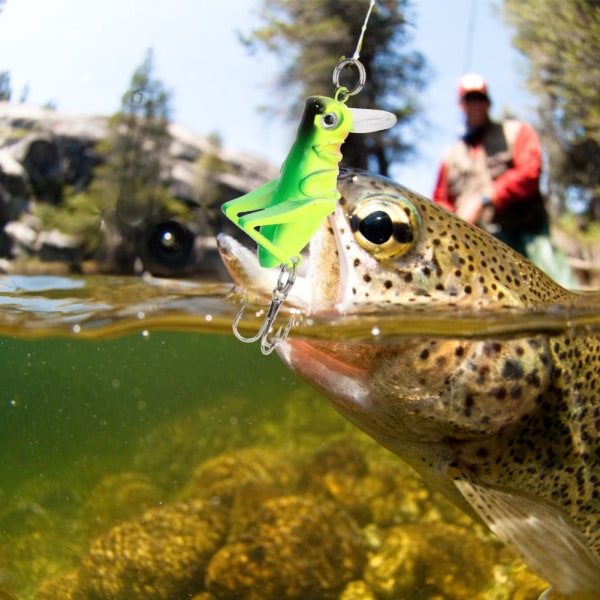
(45, 154)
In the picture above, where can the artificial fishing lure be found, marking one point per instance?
(283, 215)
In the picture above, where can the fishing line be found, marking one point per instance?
(359, 44)
(342, 93)
(470, 34)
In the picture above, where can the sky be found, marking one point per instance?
(81, 55)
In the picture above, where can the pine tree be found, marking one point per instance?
(5, 89)
(137, 148)
(311, 36)
(561, 40)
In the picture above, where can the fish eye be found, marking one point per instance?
(329, 120)
(376, 227)
(385, 225)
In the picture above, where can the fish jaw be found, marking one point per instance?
(341, 373)
(318, 284)
(254, 281)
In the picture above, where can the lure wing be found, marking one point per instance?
(367, 120)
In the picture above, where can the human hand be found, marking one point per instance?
(470, 208)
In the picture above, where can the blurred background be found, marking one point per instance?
(124, 126)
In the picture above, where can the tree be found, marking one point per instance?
(5, 89)
(311, 36)
(561, 39)
(136, 151)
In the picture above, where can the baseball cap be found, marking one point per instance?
(472, 83)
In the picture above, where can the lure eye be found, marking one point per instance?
(385, 225)
(329, 120)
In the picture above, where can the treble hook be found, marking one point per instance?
(285, 281)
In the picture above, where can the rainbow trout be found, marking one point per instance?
(507, 426)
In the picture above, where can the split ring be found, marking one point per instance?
(362, 75)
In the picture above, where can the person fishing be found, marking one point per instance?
(491, 178)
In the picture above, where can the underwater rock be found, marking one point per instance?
(372, 489)
(65, 587)
(161, 556)
(219, 478)
(296, 548)
(357, 590)
(440, 559)
(120, 497)
(339, 472)
(247, 501)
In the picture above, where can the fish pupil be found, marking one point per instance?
(376, 227)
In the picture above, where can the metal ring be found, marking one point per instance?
(362, 75)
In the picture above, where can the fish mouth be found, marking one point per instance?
(320, 279)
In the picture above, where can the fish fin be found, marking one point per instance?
(541, 533)
(367, 120)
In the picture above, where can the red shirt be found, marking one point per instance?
(521, 182)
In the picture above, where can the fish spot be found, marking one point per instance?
(516, 392)
(512, 369)
(491, 348)
(499, 393)
(469, 403)
(482, 452)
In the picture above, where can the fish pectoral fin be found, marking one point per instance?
(540, 532)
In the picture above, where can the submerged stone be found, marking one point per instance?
(296, 548)
(161, 556)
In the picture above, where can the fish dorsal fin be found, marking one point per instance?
(541, 533)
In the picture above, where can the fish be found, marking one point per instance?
(505, 425)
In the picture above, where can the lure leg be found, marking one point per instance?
(293, 220)
(257, 199)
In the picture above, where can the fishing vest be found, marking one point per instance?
(470, 173)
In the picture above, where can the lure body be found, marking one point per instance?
(282, 215)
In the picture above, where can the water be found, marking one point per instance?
(126, 395)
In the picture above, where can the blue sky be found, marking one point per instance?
(81, 56)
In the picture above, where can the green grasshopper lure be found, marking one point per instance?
(284, 214)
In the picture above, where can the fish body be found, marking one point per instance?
(507, 426)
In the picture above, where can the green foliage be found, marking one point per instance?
(5, 89)
(561, 39)
(585, 232)
(311, 36)
(77, 215)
